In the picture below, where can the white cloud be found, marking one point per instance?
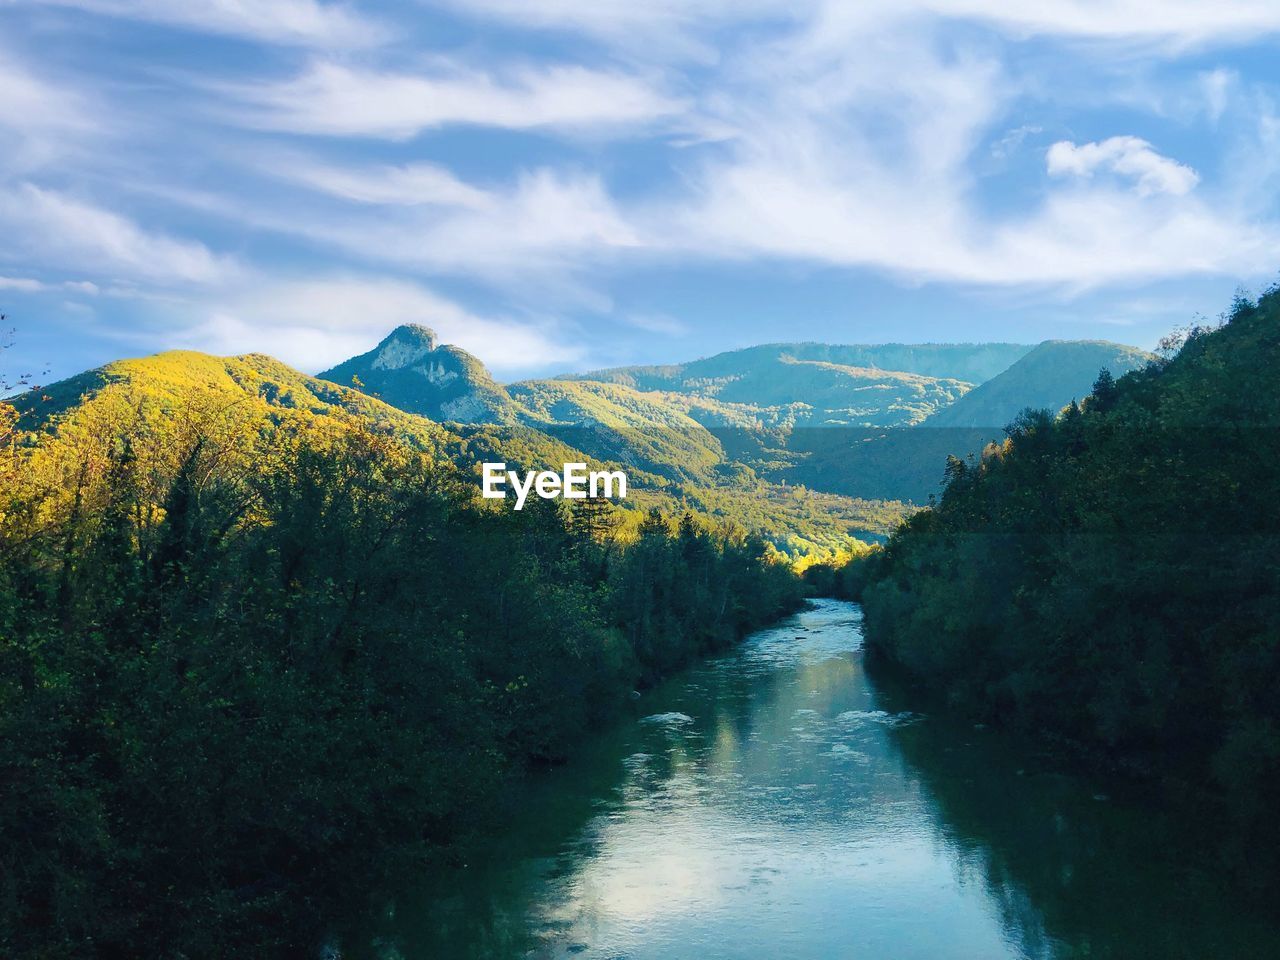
(853, 160)
(315, 323)
(1103, 236)
(337, 100)
(291, 22)
(31, 285)
(21, 284)
(678, 22)
(64, 233)
(413, 184)
(546, 214)
(1127, 156)
(813, 132)
(864, 161)
(532, 234)
(1185, 22)
(869, 162)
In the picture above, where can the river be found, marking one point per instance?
(775, 803)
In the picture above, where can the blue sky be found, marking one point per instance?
(559, 185)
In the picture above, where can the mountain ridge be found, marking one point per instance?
(1050, 376)
(832, 417)
(924, 359)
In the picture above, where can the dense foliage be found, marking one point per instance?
(257, 654)
(1112, 575)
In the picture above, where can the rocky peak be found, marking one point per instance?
(412, 370)
(406, 346)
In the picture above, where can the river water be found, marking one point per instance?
(775, 803)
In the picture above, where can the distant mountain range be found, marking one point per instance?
(809, 444)
(872, 421)
(970, 362)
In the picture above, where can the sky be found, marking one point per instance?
(561, 185)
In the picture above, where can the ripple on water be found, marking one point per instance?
(879, 716)
(672, 719)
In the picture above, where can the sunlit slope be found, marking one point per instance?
(249, 407)
(253, 390)
(613, 422)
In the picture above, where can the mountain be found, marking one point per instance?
(142, 396)
(966, 362)
(1049, 377)
(410, 370)
(672, 462)
(872, 422)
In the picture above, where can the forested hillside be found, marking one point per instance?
(1112, 575)
(261, 647)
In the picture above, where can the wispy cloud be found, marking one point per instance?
(290, 22)
(334, 99)
(535, 233)
(29, 103)
(1185, 22)
(1013, 139)
(682, 24)
(32, 285)
(868, 162)
(653, 30)
(24, 284)
(42, 120)
(408, 185)
(67, 233)
(657, 323)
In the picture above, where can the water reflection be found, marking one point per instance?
(776, 804)
(1078, 868)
